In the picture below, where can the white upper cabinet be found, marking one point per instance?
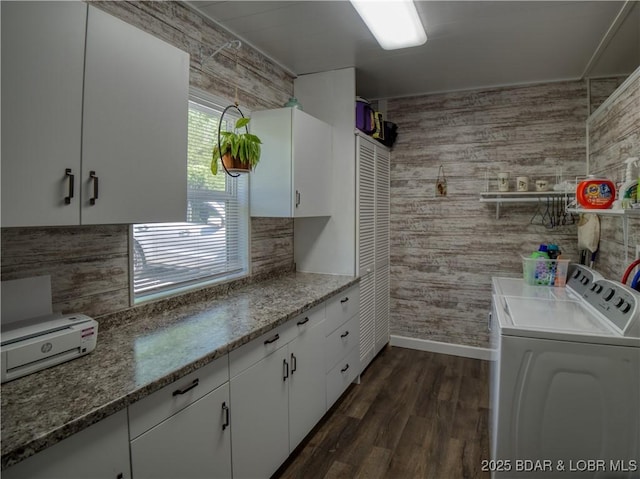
(93, 109)
(294, 176)
(134, 137)
(42, 76)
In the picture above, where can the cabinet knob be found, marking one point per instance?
(344, 300)
(303, 321)
(294, 363)
(285, 369)
(272, 340)
(297, 198)
(345, 334)
(344, 369)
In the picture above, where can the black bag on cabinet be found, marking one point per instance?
(390, 134)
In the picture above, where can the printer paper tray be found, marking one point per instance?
(41, 364)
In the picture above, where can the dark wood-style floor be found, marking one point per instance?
(415, 415)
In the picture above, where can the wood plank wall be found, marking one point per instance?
(601, 88)
(444, 251)
(89, 265)
(614, 136)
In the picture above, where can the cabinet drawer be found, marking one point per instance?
(309, 319)
(341, 341)
(342, 375)
(248, 354)
(341, 308)
(169, 400)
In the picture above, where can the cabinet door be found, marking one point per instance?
(383, 213)
(42, 76)
(312, 166)
(294, 176)
(134, 125)
(272, 180)
(259, 397)
(366, 207)
(100, 452)
(307, 389)
(381, 278)
(193, 443)
(367, 318)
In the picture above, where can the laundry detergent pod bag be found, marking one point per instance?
(596, 193)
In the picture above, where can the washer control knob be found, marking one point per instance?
(576, 274)
(594, 286)
(585, 281)
(619, 303)
(609, 294)
(626, 308)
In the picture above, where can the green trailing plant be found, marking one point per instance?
(245, 147)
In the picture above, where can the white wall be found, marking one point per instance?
(327, 245)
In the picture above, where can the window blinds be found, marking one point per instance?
(212, 244)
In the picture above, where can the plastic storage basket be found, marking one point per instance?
(545, 272)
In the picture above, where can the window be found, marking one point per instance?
(213, 244)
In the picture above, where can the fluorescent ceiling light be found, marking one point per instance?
(394, 23)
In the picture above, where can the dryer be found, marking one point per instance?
(565, 379)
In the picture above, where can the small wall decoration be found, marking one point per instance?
(441, 183)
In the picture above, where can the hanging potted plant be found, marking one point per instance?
(239, 152)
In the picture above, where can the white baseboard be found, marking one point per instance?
(443, 348)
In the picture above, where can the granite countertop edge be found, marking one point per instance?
(21, 452)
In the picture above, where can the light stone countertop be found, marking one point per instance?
(137, 358)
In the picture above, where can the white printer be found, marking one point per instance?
(29, 344)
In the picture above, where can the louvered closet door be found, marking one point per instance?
(382, 306)
(366, 247)
(382, 247)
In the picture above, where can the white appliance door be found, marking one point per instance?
(569, 402)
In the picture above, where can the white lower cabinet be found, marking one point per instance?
(343, 374)
(239, 416)
(192, 444)
(307, 402)
(100, 451)
(183, 430)
(342, 330)
(279, 397)
(260, 439)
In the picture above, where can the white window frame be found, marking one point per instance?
(243, 232)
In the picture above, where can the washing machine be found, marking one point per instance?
(565, 379)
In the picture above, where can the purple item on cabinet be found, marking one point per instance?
(364, 117)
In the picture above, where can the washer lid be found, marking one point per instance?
(555, 316)
(517, 287)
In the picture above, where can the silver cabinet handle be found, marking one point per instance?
(297, 198)
(285, 369)
(345, 334)
(294, 364)
(272, 340)
(344, 369)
